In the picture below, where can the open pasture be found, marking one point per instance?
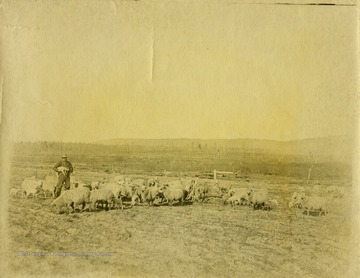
(194, 240)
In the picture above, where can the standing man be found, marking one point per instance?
(64, 169)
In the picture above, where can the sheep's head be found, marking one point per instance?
(54, 208)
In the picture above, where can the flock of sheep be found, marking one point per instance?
(112, 194)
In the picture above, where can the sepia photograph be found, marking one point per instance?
(168, 138)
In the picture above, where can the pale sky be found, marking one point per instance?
(81, 71)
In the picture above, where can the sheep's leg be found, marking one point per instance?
(121, 203)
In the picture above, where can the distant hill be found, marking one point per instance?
(339, 148)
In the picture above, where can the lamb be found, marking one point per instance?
(63, 170)
(30, 187)
(103, 196)
(71, 198)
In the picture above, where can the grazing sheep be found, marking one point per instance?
(113, 187)
(175, 194)
(138, 195)
(71, 198)
(315, 203)
(151, 193)
(185, 184)
(258, 198)
(103, 196)
(310, 203)
(30, 187)
(198, 193)
(240, 194)
(128, 190)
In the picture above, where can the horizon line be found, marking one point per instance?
(101, 141)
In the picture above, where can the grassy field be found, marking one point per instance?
(194, 240)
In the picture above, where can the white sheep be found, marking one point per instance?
(309, 203)
(258, 198)
(103, 197)
(199, 193)
(239, 194)
(71, 198)
(175, 194)
(115, 188)
(31, 187)
(315, 203)
(151, 193)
